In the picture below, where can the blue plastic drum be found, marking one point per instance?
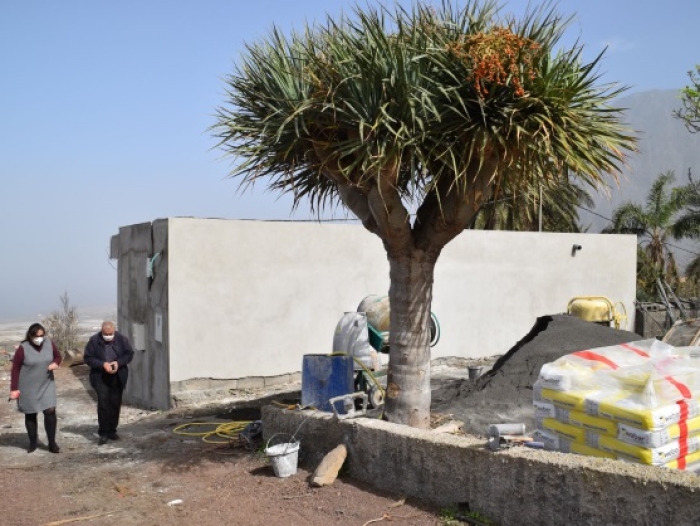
(324, 377)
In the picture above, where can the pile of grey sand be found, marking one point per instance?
(504, 394)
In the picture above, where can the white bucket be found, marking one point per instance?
(283, 458)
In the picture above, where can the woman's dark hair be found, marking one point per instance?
(32, 330)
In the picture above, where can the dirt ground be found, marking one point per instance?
(154, 476)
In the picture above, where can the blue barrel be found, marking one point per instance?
(324, 377)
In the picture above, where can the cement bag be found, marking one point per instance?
(562, 430)
(591, 368)
(657, 438)
(628, 408)
(589, 423)
(352, 337)
(553, 442)
(661, 381)
(653, 456)
(687, 463)
(573, 400)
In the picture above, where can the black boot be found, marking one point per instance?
(32, 431)
(50, 421)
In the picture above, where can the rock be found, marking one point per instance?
(327, 471)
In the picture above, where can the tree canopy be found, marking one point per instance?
(690, 96)
(655, 224)
(687, 225)
(383, 105)
(555, 209)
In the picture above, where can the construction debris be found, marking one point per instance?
(327, 470)
(501, 436)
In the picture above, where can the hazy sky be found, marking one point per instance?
(104, 108)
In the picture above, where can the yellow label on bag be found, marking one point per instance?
(573, 400)
(593, 423)
(656, 438)
(584, 449)
(568, 431)
(654, 456)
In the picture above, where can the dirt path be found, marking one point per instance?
(154, 476)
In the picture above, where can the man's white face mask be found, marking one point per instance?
(108, 338)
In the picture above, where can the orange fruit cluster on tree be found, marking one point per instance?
(498, 57)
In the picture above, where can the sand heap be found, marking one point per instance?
(504, 394)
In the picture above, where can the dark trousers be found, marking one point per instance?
(109, 403)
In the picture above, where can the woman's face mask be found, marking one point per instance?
(38, 340)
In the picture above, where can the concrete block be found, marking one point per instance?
(136, 238)
(328, 469)
(114, 247)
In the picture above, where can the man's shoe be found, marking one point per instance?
(113, 436)
(31, 448)
(102, 441)
(54, 448)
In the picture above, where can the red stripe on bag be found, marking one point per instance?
(590, 355)
(635, 350)
(682, 388)
(683, 435)
(681, 463)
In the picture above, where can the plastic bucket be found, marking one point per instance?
(475, 371)
(283, 457)
(324, 377)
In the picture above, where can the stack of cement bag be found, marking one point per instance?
(638, 402)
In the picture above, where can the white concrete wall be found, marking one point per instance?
(249, 298)
(490, 286)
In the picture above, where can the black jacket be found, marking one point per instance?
(94, 356)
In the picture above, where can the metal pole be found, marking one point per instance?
(684, 315)
(664, 300)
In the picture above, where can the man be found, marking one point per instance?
(108, 354)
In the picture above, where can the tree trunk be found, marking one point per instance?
(410, 295)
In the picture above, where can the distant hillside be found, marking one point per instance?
(664, 144)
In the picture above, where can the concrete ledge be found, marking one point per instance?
(272, 381)
(512, 487)
(198, 390)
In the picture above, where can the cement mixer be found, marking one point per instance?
(365, 333)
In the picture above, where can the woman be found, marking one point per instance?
(33, 386)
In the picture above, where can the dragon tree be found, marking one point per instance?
(412, 119)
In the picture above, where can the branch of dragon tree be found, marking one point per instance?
(390, 214)
(357, 203)
(353, 196)
(449, 208)
(375, 201)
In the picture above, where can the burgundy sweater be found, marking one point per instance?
(18, 360)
